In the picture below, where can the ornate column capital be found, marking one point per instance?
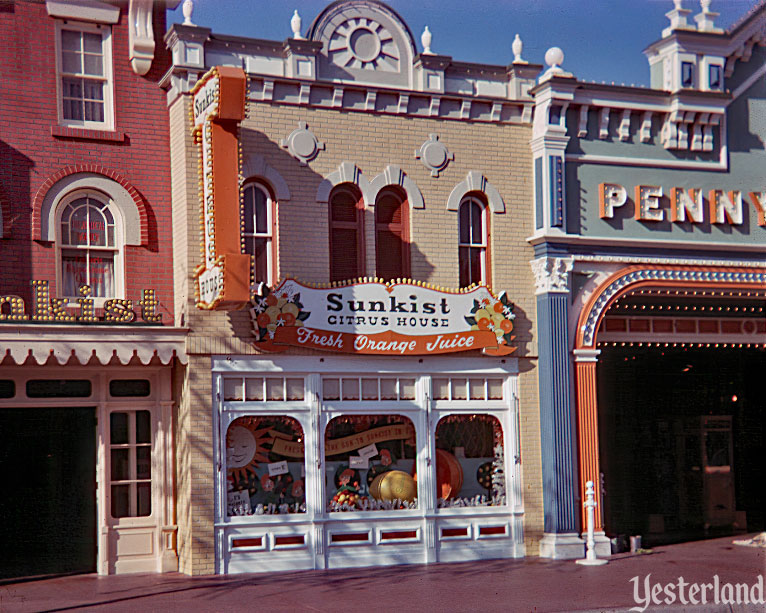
(551, 274)
(586, 355)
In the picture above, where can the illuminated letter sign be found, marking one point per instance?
(406, 318)
(218, 105)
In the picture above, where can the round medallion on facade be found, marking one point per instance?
(434, 155)
(363, 43)
(302, 144)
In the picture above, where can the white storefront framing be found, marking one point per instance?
(263, 543)
(125, 544)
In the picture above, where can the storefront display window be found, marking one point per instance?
(265, 466)
(470, 459)
(370, 463)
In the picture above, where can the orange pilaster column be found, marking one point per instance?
(587, 429)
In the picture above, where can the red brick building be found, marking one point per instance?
(88, 338)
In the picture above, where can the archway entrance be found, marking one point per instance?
(668, 363)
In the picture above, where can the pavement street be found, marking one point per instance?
(532, 584)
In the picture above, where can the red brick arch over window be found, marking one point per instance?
(95, 169)
(586, 356)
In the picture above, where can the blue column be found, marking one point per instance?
(556, 415)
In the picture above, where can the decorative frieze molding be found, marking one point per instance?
(552, 274)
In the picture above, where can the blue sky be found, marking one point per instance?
(602, 39)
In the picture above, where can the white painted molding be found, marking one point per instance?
(476, 182)
(551, 274)
(83, 180)
(104, 342)
(141, 35)
(626, 161)
(347, 172)
(83, 10)
(393, 175)
(255, 166)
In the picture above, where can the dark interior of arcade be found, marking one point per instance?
(681, 432)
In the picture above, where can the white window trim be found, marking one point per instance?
(270, 233)
(119, 245)
(106, 39)
(484, 235)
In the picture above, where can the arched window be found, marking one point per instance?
(392, 246)
(473, 236)
(259, 212)
(89, 245)
(346, 234)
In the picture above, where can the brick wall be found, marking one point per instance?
(372, 142)
(30, 154)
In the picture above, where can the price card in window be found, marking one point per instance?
(358, 462)
(369, 451)
(278, 468)
(235, 499)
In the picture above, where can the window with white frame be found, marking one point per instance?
(85, 72)
(473, 238)
(130, 460)
(89, 245)
(258, 210)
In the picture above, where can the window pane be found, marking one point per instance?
(252, 443)
(440, 389)
(369, 389)
(495, 389)
(70, 40)
(74, 272)
(144, 499)
(122, 388)
(93, 65)
(101, 278)
(70, 62)
(344, 254)
(388, 389)
(120, 501)
(261, 258)
(350, 389)
(458, 389)
(253, 388)
(477, 264)
(331, 389)
(118, 429)
(389, 255)
(465, 266)
(385, 480)
(143, 462)
(249, 209)
(56, 388)
(91, 42)
(261, 213)
(7, 388)
(464, 222)
(343, 207)
(476, 389)
(275, 389)
(477, 230)
(232, 389)
(388, 209)
(96, 227)
(294, 389)
(406, 389)
(79, 225)
(470, 461)
(120, 464)
(143, 427)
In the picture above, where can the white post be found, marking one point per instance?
(590, 504)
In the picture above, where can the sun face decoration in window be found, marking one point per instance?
(264, 466)
(365, 44)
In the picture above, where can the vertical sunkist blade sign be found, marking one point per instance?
(223, 278)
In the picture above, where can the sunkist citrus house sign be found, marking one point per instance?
(378, 318)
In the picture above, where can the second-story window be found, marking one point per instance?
(84, 64)
(473, 242)
(392, 248)
(346, 234)
(88, 246)
(259, 219)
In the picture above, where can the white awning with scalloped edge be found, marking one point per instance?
(43, 341)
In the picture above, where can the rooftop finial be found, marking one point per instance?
(425, 38)
(554, 57)
(517, 46)
(295, 25)
(188, 9)
(706, 19)
(677, 18)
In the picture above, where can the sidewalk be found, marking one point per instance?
(498, 585)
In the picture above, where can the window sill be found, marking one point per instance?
(88, 134)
